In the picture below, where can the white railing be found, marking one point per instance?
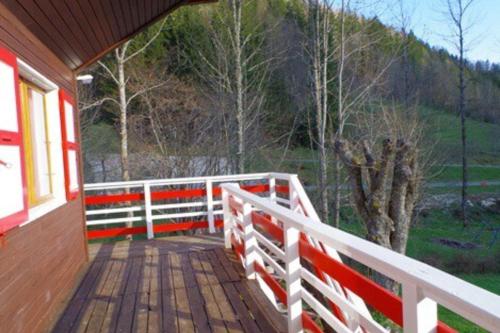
(133, 203)
(423, 287)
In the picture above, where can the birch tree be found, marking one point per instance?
(115, 69)
(235, 68)
(458, 12)
(320, 51)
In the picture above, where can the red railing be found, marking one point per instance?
(380, 299)
(145, 207)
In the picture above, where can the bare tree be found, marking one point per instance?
(236, 69)
(116, 71)
(385, 185)
(457, 12)
(352, 90)
(319, 49)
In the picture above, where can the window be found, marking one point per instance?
(13, 201)
(36, 143)
(70, 146)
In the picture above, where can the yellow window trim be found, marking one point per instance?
(33, 199)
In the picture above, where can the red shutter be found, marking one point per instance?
(13, 187)
(69, 144)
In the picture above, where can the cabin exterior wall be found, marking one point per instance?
(40, 262)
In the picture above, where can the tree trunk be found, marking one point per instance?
(240, 155)
(123, 119)
(463, 128)
(122, 92)
(340, 117)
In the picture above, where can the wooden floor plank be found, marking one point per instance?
(196, 302)
(213, 312)
(168, 313)
(246, 317)
(184, 317)
(228, 315)
(127, 312)
(227, 263)
(175, 284)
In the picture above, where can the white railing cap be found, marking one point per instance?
(476, 304)
(176, 181)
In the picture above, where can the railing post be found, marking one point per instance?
(292, 277)
(228, 219)
(250, 241)
(293, 195)
(210, 206)
(272, 188)
(149, 212)
(419, 312)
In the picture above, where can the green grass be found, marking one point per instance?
(483, 144)
(454, 173)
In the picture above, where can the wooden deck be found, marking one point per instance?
(175, 284)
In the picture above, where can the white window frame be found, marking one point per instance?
(56, 160)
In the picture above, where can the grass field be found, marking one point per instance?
(479, 265)
(483, 143)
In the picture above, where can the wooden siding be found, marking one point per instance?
(39, 266)
(41, 262)
(80, 32)
(19, 40)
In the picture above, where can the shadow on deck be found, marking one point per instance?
(174, 284)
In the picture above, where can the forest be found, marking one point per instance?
(386, 131)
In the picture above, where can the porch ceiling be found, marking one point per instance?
(80, 32)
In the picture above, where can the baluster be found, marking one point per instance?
(250, 241)
(419, 312)
(293, 284)
(210, 206)
(228, 219)
(149, 212)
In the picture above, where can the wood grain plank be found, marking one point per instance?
(66, 27)
(228, 315)
(214, 315)
(104, 6)
(184, 316)
(27, 13)
(195, 298)
(244, 314)
(168, 314)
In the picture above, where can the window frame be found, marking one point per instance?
(9, 138)
(68, 145)
(31, 175)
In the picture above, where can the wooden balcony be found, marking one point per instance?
(174, 284)
(285, 259)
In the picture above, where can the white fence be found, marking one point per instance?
(423, 287)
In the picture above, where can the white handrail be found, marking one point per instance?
(429, 284)
(175, 181)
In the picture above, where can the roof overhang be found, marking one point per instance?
(81, 32)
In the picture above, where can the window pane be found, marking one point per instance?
(8, 115)
(11, 201)
(73, 170)
(39, 144)
(70, 125)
